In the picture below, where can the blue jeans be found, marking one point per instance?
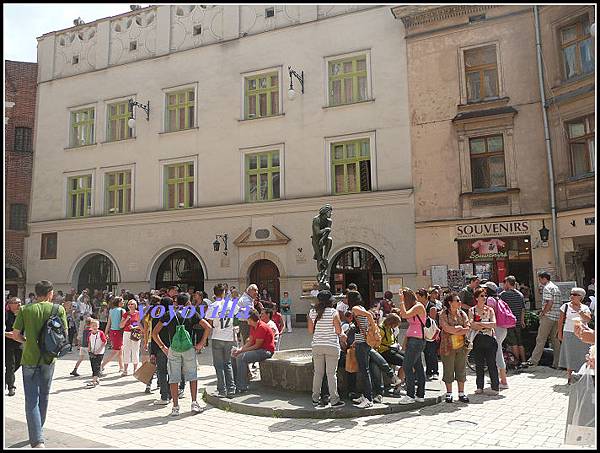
(162, 375)
(431, 358)
(221, 352)
(36, 386)
(413, 367)
(362, 357)
(379, 366)
(242, 361)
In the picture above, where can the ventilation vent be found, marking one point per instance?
(269, 12)
(75, 59)
(478, 18)
(197, 30)
(132, 46)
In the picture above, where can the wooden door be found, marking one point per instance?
(265, 275)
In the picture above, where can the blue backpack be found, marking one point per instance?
(53, 339)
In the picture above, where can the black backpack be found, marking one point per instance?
(53, 339)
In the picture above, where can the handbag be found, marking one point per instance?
(145, 372)
(351, 361)
(457, 341)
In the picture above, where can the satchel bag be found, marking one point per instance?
(373, 336)
(351, 361)
(135, 334)
(457, 341)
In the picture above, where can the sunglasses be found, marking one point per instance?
(573, 294)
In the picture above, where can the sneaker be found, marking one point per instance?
(529, 364)
(503, 386)
(406, 400)
(148, 390)
(478, 391)
(463, 398)
(74, 373)
(435, 376)
(196, 409)
(11, 391)
(396, 381)
(230, 395)
(378, 399)
(40, 445)
(491, 392)
(161, 402)
(358, 400)
(219, 394)
(90, 385)
(449, 398)
(340, 403)
(175, 411)
(418, 399)
(365, 404)
(315, 403)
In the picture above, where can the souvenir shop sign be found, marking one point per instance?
(485, 250)
(476, 230)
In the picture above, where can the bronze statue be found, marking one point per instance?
(321, 242)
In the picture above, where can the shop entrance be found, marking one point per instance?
(357, 265)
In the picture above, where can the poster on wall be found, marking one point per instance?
(455, 279)
(439, 276)
(565, 289)
(467, 268)
(483, 270)
(395, 284)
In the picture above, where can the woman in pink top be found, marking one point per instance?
(414, 311)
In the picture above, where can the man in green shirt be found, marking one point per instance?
(37, 370)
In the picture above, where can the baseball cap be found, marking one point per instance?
(491, 285)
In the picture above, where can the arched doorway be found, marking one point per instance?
(98, 272)
(356, 265)
(180, 268)
(265, 275)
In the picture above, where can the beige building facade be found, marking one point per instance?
(479, 157)
(223, 151)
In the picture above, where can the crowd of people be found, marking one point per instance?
(349, 335)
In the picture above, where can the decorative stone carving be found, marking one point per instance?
(140, 27)
(419, 15)
(185, 18)
(80, 43)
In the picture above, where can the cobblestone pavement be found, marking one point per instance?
(531, 414)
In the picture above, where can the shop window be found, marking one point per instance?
(481, 73)
(582, 145)
(49, 246)
(487, 162)
(576, 49)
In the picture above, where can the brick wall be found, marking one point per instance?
(21, 87)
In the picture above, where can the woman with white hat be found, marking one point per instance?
(573, 350)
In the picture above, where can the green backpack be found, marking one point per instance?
(182, 341)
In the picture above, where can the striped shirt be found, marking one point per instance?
(552, 292)
(362, 330)
(515, 301)
(324, 333)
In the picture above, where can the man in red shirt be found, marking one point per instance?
(260, 346)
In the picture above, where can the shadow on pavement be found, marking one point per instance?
(139, 406)
(138, 423)
(327, 425)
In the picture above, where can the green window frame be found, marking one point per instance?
(118, 192)
(348, 80)
(261, 95)
(263, 176)
(82, 127)
(351, 166)
(79, 196)
(179, 186)
(118, 116)
(181, 109)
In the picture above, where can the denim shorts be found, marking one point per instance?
(182, 364)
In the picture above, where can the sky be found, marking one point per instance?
(24, 22)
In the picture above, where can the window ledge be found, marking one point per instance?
(491, 191)
(118, 141)
(581, 177)
(181, 130)
(566, 82)
(486, 103)
(368, 101)
(91, 145)
(243, 120)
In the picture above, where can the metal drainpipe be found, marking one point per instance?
(538, 44)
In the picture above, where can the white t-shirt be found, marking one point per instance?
(222, 327)
(274, 328)
(570, 314)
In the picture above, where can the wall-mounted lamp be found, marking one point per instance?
(544, 232)
(300, 77)
(145, 108)
(217, 244)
